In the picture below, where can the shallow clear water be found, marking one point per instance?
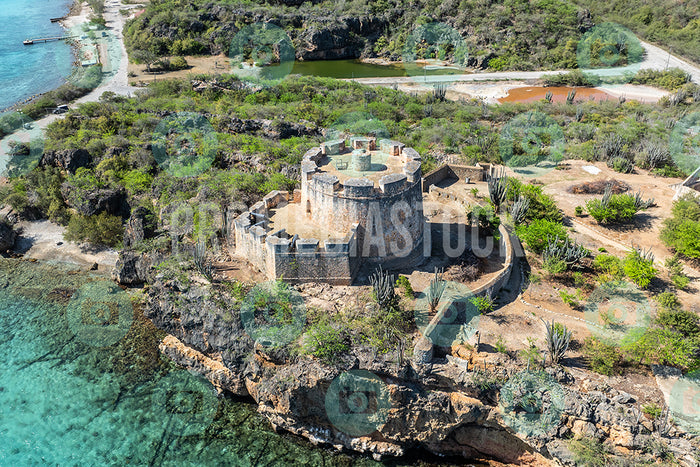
(64, 400)
(26, 70)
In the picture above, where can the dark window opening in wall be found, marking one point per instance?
(308, 206)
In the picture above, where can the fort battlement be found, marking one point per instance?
(360, 201)
(295, 259)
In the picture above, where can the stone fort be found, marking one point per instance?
(360, 202)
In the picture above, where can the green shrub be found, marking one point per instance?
(403, 283)
(670, 79)
(540, 204)
(683, 321)
(681, 232)
(590, 452)
(325, 342)
(578, 211)
(602, 358)
(681, 281)
(668, 301)
(571, 299)
(536, 234)
(554, 265)
(652, 409)
(178, 63)
(137, 182)
(532, 355)
(663, 346)
(609, 265)
(483, 303)
(500, 345)
(572, 78)
(102, 229)
(639, 269)
(617, 209)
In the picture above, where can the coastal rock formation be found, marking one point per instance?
(67, 159)
(95, 200)
(139, 227)
(440, 406)
(134, 268)
(7, 236)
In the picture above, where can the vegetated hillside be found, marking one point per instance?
(256, 138)
(501, 34)
(670, 23)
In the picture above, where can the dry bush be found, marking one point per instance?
(466, 268)
(598, 187)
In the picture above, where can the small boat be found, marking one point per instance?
(27, 42)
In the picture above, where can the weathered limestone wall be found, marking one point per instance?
(476, 173)
(333, 262)
(278, 255)
(389, 216)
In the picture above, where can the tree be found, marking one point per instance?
(144, 56)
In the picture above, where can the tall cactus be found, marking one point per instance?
(383, 287)
(641, 203)
(571, 96)
(519, 209)
(548, 96)
(435, 290)
(498, 188)
(558, 339)
(568, 251)
(201, 262)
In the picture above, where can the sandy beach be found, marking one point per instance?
(43, 240)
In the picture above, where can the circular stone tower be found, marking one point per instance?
(373, 187)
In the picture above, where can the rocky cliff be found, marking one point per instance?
(448, 407)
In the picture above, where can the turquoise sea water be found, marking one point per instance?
(65, 400)
(31, 69)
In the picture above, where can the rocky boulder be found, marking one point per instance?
(134, 268)
(91, 202)
(140, 226)
(67, 159)
(197, 319)
(7, 236)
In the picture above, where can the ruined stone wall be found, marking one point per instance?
(333, 262)
(278, 255)
(476, 173)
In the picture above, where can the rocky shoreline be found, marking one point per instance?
(449, 407)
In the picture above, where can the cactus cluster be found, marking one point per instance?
(621, 164)
(641, 203)
(518, 210)
(567, 251)
(558, 339)
(498, 188)
(548, 96)
(612, 147)
(646, 255)
(656, 155)
(383, 287)
(439, 92)
(435, 290)
(201, 262)
(571, 96)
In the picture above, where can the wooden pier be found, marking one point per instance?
(56, 20)
(45, 39)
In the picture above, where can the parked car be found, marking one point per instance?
(61, 109)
